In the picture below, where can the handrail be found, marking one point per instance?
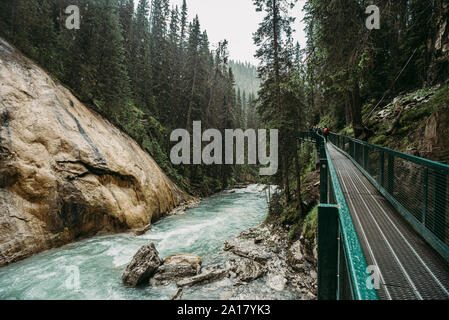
(351, 256)
(418, 188)
(425, 162)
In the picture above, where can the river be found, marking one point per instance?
(92, 268)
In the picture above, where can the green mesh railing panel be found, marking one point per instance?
(350, 278)
(418, 188)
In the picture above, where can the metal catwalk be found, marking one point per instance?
(409, 267)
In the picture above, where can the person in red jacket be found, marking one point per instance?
(326, 133)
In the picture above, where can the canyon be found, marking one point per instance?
(66, 173)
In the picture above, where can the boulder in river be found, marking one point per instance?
(248, 249)
(144, 264)
(207, 275)
(246, 270)
(276, 282)
(142, 231)
(175, 268)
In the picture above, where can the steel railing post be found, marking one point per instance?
(327, 252)
(439, 209)
(390, 174)
(381, 169)
(365, 158)
(324, 194)
(354, 151)
(426, 188)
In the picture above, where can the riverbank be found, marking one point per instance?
(262, 265)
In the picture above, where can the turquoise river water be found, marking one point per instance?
(92, 268)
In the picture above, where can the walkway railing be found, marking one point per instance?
(342, 268)
(418, 188)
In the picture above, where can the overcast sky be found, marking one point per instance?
(236, 21)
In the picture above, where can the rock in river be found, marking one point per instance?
(175, 268)
(246, 270)
(248, 249)
(207, 275)
(144, 264)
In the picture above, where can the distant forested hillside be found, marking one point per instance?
(246, 78)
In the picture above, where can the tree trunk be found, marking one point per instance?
(347, 109)
(298, 180)
(356, 113)
(60, 15)
(189, 111)
(285, 176)
(284, 163)
(211, 98)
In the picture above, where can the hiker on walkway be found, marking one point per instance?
(326, 133)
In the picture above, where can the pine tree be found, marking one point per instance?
(126, 14)
(219, 65)
(192, 70)
(271, 38)
(174, 69)
(183, 23)
(140, 67)
(107, 83)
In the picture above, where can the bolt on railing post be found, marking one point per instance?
(390, 174)
(327, 252)
(439, 209)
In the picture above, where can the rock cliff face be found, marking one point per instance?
(66, 172)
(417, 124)
(435, 144)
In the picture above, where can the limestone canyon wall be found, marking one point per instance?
(66, 172)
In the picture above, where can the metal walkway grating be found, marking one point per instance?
(409, 267)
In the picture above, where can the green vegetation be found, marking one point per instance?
(286, 214)
(310, 225)
(351, 69)
(412, 121)
(148, 76)
(440, 99)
